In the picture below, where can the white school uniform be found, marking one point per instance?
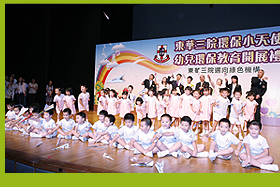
(69, 100)
(67, 125)
(10, 114)
(103, 101)
(112, 109)
(256, 145)
(49, 125)
(127, 133)
(168, 141)
(220, 111)
(112, 130)
(174, 104)
(144, 139)
(141, 108)
(160, 107)
(224, 141)
(35, 123)
(186, 138)
(152, 103)
(125, 107)
(233, 116)
(59, 100)
(185, 110)
(99, 126)
(83, 128)
(85, 98)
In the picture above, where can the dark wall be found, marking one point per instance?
(156, 21)
(57, 42)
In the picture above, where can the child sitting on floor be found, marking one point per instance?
(256, 150)
(142, 139)
(82, 130)
(126, 133)
(223, 139)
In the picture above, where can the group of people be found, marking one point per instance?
(183, 106)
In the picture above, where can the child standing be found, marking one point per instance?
(102, 102)
(58, 99)
(126, 133)
(69, 101)
(250, 108)
(67, 124)
(220, 107)
(113, 102)
(109, 132)
(152, 107)
(223, 139)
(185, 102)
(160, 106)
(196, 109)
(142, 138)
(236, 112)
(131, 96)
(187, 138)
(140, 110)
(255, 151)
(82, 130)
(125, 106)
(83, 100)
(174, 108)
(206, 110)
(166, 143)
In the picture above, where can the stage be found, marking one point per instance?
(22, 156)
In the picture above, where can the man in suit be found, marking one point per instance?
(202, 84)
(150, 83)
(259, 87)
(176, 84)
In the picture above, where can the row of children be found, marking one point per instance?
(166, 140)
(191, 103)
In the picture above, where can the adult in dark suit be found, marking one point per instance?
(202, 84)
(176, 83)
(150, 83)
(233, 86)
(259, 87)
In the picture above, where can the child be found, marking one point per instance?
(48, 125)
(83, 100)
(189, 82)
(110, 130)
(216, 86)
(15, 123)
(58, 98)
(82, 130)
(236, 112)
(223, 139)
(160, 106)
(10, 115)
(174, 107)
(220, 107)
(126, 133)
(185, 102)
(125, 106)
(131, 96)
(142, 138)
(67, 124)
(166, 143)
(206, 110)
(69, 101)
(102, 102)
(99, 125)
(35, 122)
(140, 110)
(113, 102)
(255, 151)
(250, 108)
(152, 107)
(196, 109)
(187, 138)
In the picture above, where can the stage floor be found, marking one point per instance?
(81, 158)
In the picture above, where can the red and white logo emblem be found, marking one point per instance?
(161, 55)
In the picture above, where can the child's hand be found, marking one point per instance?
(236, 152)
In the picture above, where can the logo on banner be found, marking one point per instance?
(161, 55)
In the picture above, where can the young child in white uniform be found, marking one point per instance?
(152, 107)
(82, 130)
(102, 102)
(125, 106)
(67, 125)
(236, 113)
(126, 133)
(83, 100)
(58, 99)
(256, 150)
(140, 110)
(206, 110)
(167, 143)
(69, 101)
(142, 139)
(223, 139)
(10, 115)
(187, 138)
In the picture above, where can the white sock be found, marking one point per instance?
(202, 154)
(272, 167)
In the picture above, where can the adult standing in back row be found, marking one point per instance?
(32, 90)
(259, 87)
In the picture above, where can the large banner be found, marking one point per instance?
(220, 55)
